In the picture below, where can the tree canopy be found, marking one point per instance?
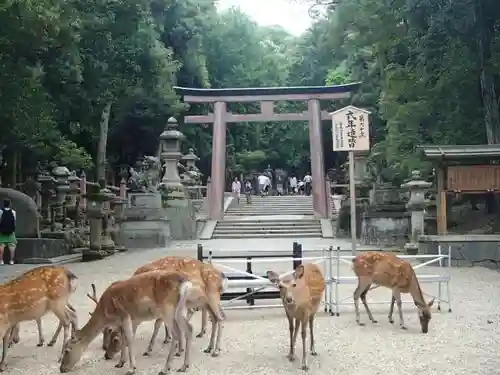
(71, 70)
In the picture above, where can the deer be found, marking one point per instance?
(387, 270)
(70, 310)
(32, 295)
(205, 275)
(301, 296)
(127, 303)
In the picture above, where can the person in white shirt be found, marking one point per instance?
(263, 181)
(7, 231)
(293, 184)
(308, 183)
(236, 189)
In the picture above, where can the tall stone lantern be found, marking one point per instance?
(171, 187)
(416, 205)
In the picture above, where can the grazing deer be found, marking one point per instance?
(387, 270)
(127, 303)
(301, 295)
(32, 295)
(70, 310)
(207, 277)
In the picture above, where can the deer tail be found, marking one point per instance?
(225, 282)
(72, 280)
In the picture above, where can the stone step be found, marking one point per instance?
(272, 206)
(266, 223)
(267, 235)
(241, 229)
(267, 213)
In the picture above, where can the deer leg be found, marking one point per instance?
(204, 318)
(362, 286)
(363, 299)
(59, 310)
(6, 338)
(391, 310)
(156, 329)
(186, 330)
(291, 355)
(53, 340)
(14, 335)
(167, 317)
(290, 329)
(128, 328)
(168, 338)
(397, 295)
(311, 331)
(41, 339)
(123, 354)
(217, 318)
(303, 332)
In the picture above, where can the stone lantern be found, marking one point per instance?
(171, 187)
(416, 205)
(63, 187)
(187, 177)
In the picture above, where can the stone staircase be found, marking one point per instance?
(270, 217)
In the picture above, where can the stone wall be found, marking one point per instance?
(385, 228)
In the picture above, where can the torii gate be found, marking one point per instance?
(266, 96)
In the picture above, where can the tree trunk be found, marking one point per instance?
(484, 29)
(103, 142)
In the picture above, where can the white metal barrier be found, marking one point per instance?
(331, 262)
(256, 283)
(334, 301)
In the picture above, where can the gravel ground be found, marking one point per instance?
(256, 341)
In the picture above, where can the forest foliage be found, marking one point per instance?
(430, 73)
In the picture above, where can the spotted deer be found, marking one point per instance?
(32, 295)
(301, 296)
(127, 303)
(207, 277)
(387, 270)
(70, 310)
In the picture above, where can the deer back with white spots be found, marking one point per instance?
(301, 294)
(387, 270)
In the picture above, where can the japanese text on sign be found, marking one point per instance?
(350, 127)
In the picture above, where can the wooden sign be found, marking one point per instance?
(351, 129)
(477, 178)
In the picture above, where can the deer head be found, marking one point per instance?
(72, 353)
(293, 290)
(424, 314)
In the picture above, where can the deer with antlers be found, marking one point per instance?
(301, 296)
(387, 270)
(207, 277)
(32, 295)
(70, 311)
(127, 303)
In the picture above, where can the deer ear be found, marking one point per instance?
(418, 304)
(273, 277)
(299, 272)
(431, 303)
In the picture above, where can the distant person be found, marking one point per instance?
(308, 183)
(293, 184)
(236, 189)
(301, 187)
(264, 183)
(7, 231)
(248, 191)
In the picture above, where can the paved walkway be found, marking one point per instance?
(256, 342)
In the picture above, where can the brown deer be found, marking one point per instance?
(387, 270)
(32, 295)
(70, 310)
(127, 303)
(207, 277)
(301, 296)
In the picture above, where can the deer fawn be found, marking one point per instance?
(207, 277)
(387, 270)
(127, 303)
(32, 295)
(70, 310)
(301, 296)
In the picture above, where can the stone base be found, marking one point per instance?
(30, 249)
(89, 255)
(182, 219)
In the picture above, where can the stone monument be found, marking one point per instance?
(416, 205)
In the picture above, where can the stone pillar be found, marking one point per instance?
(170, 154)
(216, 199)
(83, 191)
(61, 175)
(416, 205)
(317, 160)
(328, 197)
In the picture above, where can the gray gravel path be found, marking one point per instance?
(256, 342)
